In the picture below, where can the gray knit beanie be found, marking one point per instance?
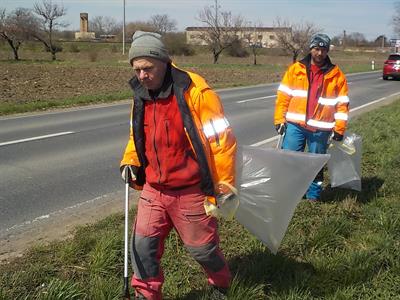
(148, 44)
(320, 40)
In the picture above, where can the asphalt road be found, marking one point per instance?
(54, 160)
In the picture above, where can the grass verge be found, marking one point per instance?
(345, 247)
(39, 105)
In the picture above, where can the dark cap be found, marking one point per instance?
(320, 40)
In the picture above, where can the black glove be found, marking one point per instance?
(280, 128)
(337, 136)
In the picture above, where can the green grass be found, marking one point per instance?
(356, 68)
(345, 247)
(13, 108)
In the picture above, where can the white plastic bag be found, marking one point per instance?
(271, 182)
(344, 166)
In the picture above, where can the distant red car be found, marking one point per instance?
(391, 67)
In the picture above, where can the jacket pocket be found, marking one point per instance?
(195, 216)
(147, 196)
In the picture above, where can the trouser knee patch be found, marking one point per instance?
(144, 256)
(207, 256)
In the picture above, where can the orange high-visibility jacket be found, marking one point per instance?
(332, 110)
(209, 133)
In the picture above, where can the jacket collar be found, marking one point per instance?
(325, 68)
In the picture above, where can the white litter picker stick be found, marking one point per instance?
(126, 278)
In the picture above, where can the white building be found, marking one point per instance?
(265, 37)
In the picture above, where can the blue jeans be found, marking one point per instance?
(296, 138)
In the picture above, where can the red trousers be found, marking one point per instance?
(159, 212)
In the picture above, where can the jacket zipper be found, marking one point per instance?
(154, 142)
(308, 71)
(319, 91)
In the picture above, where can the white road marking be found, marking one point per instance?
(255, 99)
(375, 101)
(36, 138)
(351, 110)
(52, 214)
(265, 141)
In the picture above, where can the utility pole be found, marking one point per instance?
(344, 39)
(123, 33)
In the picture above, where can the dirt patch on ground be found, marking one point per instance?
(38, 80)
(22, 83)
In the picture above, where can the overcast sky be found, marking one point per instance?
(369, 17)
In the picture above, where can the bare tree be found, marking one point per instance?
(337, 40)
(7, 32)
(163, 24)
(15, 27)
(356, 39)
(254, 39)
(105, 25)
(50, 14)
(297, 40)
(221, 30)
(132, 27)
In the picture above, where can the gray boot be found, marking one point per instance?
(139, 296)
(218, 293)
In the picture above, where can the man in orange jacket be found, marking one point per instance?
(181, 153)
(312, 105)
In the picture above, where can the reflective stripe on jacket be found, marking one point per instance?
(332, 110)
(209, 133)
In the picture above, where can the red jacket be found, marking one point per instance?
(210, 136)
(171, 161)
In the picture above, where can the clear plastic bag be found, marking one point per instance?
(271, 182)
(344, 166)
(347, 145)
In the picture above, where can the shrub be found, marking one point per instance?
(114, 49)
(237, 50)
(56, 48)
(176, 44)
(74, 48)
(93, 55)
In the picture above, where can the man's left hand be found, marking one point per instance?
(224, 193)
(223, 189)
(336, 136)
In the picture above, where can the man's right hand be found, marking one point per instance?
(280, 128)
(128, 173)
